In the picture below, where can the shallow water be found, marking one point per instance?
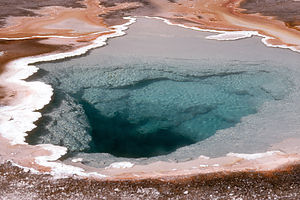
(164, 90)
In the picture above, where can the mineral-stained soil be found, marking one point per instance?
(285, 10)
(23, 48)
(27, 7)
(145, 7)
(17, 184)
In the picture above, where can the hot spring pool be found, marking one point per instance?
(132, 100)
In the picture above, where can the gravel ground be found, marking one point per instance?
(17, 184)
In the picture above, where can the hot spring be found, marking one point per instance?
(163, 94)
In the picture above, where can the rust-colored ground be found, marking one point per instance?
(23, 48)
(286, 11)
(28, 7)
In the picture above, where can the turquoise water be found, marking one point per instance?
(157, 115)
(152, 108)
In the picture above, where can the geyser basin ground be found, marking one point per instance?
(166, 93)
